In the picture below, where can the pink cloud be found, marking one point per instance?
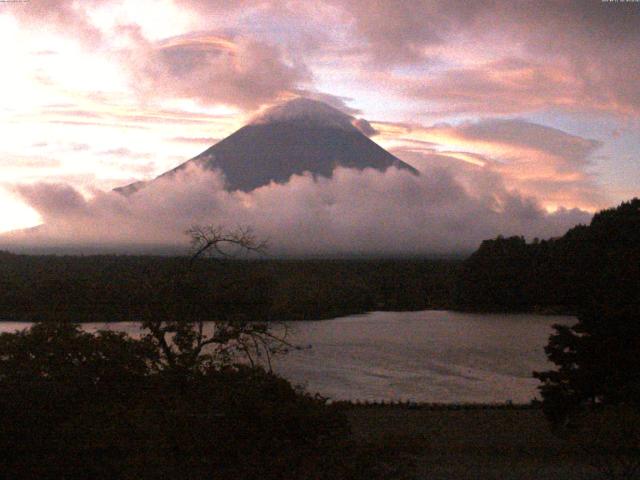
(538, 161)
(502, 87)
(365, 212)
(212, 69)
(197, 140)
(567, 54)
(467, 57)
(62, 16)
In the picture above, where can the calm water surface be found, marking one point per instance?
(429, 356)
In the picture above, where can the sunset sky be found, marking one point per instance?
(543, 95)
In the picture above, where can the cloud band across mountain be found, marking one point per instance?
(355, 212)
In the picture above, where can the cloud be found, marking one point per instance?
(464, 57)
(63, 16)
(197, 140)
(27, 162)
(135, 169)
(396, 32)
(514, 85)
(108, 113)
(570, 150)
(354, 212)
(212, 69)
(504, 57)
(503, 87)
(536, 160)
(78, 147)
(335, 101)
(125, 152)
(365, 127)
(53, 200)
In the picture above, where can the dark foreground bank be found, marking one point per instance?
(483, 442)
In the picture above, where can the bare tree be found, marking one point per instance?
(196, 345)
(215, 240)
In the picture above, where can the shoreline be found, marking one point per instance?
(431, 406)
(439, 308)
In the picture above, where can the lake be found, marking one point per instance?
(427, 356)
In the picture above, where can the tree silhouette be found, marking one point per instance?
(597, 358)
(191, 345)
(179, 402)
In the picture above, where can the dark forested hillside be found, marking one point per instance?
(561, 274)
(504, 274)
(129, 288)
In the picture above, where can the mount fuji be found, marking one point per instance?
(301, 135)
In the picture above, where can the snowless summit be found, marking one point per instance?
(298, 136)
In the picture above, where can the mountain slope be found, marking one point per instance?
(299, 136)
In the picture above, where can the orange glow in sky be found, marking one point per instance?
(102, 93)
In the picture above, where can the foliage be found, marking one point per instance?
(597, 363)
(496, 274)
(597, 358)
(174, 403)
(102, 405)
(188, 347)
(215, 240)
(593, 271)
(132, 288)
(61, 352)
(557, 275)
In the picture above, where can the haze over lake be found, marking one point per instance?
(427, 356)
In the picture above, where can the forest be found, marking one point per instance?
(558, 275)
(106, 288)
(555, 275)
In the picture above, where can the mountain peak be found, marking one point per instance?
(298, 136)
(306, 112)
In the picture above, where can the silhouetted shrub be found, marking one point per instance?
(100, 406)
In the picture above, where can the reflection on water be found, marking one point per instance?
(429, 356)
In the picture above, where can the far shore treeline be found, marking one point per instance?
(131, 288)
(561, 275)
(504, 274)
